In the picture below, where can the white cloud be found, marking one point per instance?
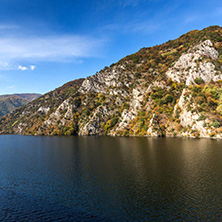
(32, 67)
(23, 68)
(46, 49)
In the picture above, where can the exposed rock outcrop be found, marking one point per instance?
(195, 64)
(173, 89)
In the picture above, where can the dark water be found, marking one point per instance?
(110, 179)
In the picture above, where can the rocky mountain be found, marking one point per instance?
(173, 89)
(9, 103)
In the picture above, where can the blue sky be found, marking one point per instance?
(46, 43)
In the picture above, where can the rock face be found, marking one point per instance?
(93, 125)
(192, 120)
(191, 65)
(174, 89)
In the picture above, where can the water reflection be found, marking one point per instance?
(118, 179)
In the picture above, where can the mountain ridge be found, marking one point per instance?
(10, 102)
(172, 89)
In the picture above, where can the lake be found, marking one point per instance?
(110, 179)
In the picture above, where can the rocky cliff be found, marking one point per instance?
(173, 89)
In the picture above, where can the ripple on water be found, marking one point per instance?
(19, 207)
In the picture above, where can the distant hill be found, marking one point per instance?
(172, 89)
(8, 103)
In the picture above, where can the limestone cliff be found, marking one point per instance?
(173, 89)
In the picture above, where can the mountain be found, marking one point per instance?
(173, 89)
(9, 103)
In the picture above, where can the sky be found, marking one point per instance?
(46, 43)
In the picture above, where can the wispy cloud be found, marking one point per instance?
(125, 3)
(190, 18)
(7, 27)
(10, 87)
(145, 27)
(46, 49)
(136, 26)
(143, 22)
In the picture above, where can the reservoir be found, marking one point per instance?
(110, 179)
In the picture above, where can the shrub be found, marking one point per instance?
(198, 80)
(168, 98)
(219, 109)
(137, 75)
(110, 124)
(201, 117)
(196, 89)
(216, 124)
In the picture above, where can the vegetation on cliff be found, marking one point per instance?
(173, 89)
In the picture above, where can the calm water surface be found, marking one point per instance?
(110, 179)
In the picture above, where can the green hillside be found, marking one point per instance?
(8, 103)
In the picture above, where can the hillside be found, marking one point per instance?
(173, 89)
(8, 103)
